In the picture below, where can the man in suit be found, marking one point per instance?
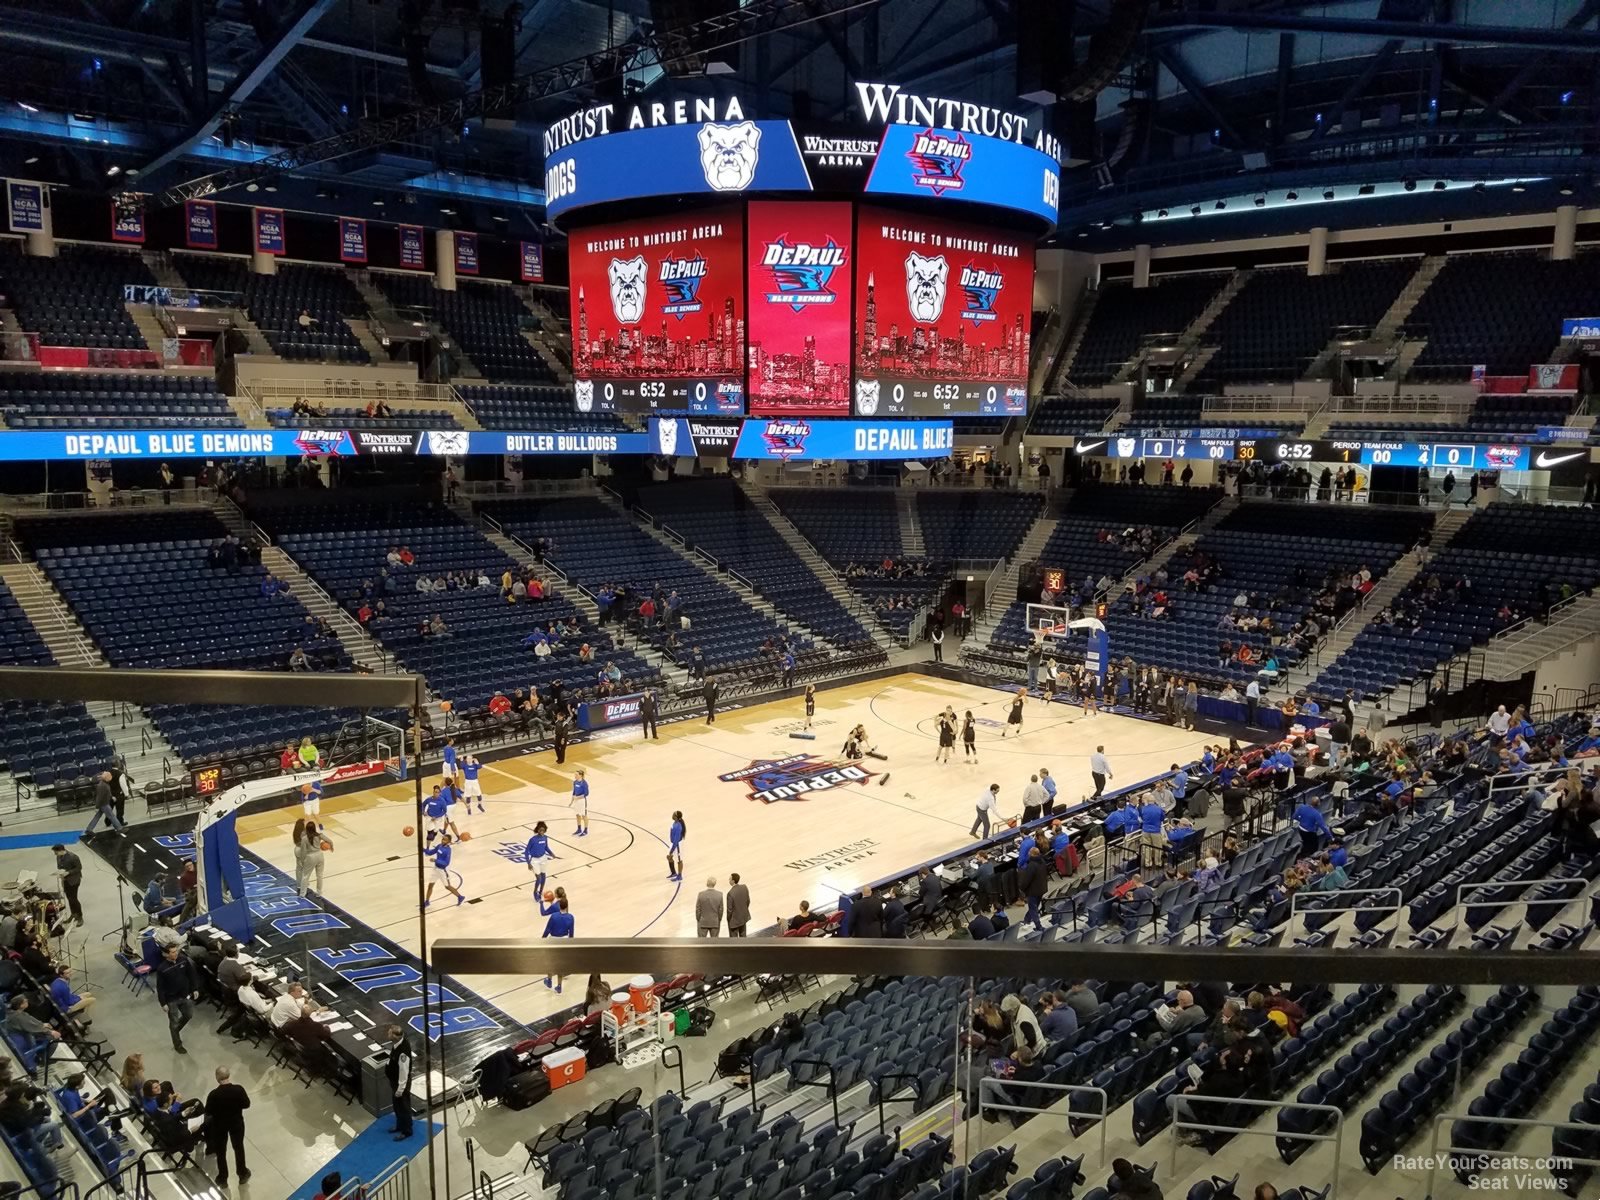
(398, 1073)
(708, 910)
(868, 915)
(225, 1123)
(647, 714)
(738, 906)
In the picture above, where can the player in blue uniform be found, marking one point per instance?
(559, 924)
(675, 848)
(311, 799)
(580, 801)
(538, 851)
(449, 755)
(436, 813)
(471, 789)
(441, 871)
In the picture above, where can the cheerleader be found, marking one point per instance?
(1014, 721)
(969, 737)
(811, 703)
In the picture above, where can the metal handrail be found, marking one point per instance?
(1463, 888)
(885, 1098)
(677, 1063)
(1479, 1151)
(1336, 1137)
(1099, 1118)
(1390, 909)
(833, 1090)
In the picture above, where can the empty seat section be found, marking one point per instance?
(112, 399)
(485, 319)
(75, 298)
(1124, 315)
(324, 295)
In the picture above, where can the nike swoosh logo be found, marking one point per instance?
(1545, 460)
(1080, 448)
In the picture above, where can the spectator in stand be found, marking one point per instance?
(298, 660)
(72, 1003)
(1057, 1019)
(499, 705)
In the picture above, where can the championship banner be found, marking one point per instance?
(127, 219)
(352, 240)
(269, 230)
(466, 253)
(413, 253)
(532, 262)
(25, 206)
(200, 224)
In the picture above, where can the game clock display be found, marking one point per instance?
(942, 314)
(207, 781)
(658, 315)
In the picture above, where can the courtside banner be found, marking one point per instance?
(532, 262)
(352, 240)
(412, 252)
(200, 224)
(269, 230)
(790, 439)
(127, 220)
(25, 206)
(602, 714)
(466, 254)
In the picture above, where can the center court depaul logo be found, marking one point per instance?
(795, 777)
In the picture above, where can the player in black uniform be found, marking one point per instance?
(1014, 721)
(969, 737)
(947, 738)
(811, 704)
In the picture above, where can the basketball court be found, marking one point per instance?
(794, 818)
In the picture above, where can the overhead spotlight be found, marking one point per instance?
(30, 160)
(272, 187)
(1220, 205)
(1195, 211)
(1438, 185)
(1519, 187)
(378, 203)
(499, 217)
(1083, 233)
(1261, 201)
(26, 107)
(449, 212)
(322, 192)
(1367, 189)
(1411, 185)
(1291, 195)
(252, 187)
(1327, 193)
(1565, 189)
(113, 170)
(1161, 213)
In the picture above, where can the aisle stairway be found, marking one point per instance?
(826, 575)
(130, 731)
(1214, 517)
(910, 528)
(677, 677)
(1005, 588)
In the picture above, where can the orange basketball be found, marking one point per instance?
(1012, 823)
(549, 897)
(327, 845)
(465, 836)
(447, 706)
(408, 831)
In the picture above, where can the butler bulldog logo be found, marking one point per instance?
(669, 437)
(866, 397)
(583, 393)
(925, 287)
(728, 155)
(795, 777)
(627, 278)
(1125, 447)
(448, 443)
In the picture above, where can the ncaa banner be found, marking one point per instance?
(269, 230)
(127, 219)
(200, 224)
(352, 240)
(412, 252)
(466, 254)
(25, 206)
(532, 262)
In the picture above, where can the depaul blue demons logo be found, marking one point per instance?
(937, 160)
(682, 277)
(801, 273)
(786, 437)
(795, 777)
(980, 288)
(323, 443)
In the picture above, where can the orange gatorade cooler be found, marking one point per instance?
(639, 991)
(621, 1007)
(562, 1067)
